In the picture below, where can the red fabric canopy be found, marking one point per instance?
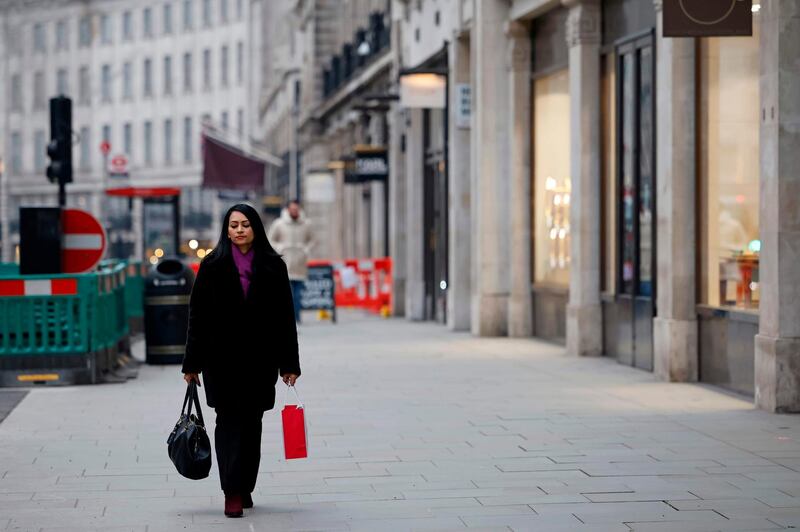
(226, 167)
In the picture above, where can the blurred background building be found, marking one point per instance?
(145, 76)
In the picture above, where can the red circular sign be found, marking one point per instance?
(119, 164)
(84, 241)
(105, 147)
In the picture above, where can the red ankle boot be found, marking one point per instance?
(233, 505)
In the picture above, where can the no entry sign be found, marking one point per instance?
(84, 241)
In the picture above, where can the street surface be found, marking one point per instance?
(412, 427)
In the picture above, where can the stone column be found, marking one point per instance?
(459, 255)
(378, 193)
(474, 192)
(349, 225)
(415, 230)
(362, 220)
(675, 334)
(493, 222)
(397, 176)
(378, 215)
(584, 312)
(777, 357)
(520, 310)
(337, 220)
(397, 210)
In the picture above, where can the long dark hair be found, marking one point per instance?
(264, 252)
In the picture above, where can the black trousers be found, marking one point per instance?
(238, 442)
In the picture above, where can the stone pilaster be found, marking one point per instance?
(397, 179)
(460, 238)
(378, 218)
(415, 230)
(377, 190)
(675, 333)
(584, 312)
(493, 222)
(777, 352)
(397, 210)
(338, 218)
(520, 309)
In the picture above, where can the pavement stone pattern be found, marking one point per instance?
(412, 427)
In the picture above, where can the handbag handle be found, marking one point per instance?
(286, 397)
(191, 392)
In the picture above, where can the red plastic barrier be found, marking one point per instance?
(362, 283)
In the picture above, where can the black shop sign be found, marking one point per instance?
(368, 164)
(319, 290)
(708, 18)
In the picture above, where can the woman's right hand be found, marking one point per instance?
(189, 377)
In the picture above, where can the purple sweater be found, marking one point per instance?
(244, 263)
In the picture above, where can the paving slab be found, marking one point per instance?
(412, 427)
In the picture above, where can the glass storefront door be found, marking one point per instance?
(636, 197)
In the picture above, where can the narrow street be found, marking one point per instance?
(412, 427)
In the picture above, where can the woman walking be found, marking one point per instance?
(241, 336)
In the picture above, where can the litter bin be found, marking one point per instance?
(166, 311)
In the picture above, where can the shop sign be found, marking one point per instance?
(320, 187)
(708, 18)
(372, 164)
(319, 290)
(463, 105)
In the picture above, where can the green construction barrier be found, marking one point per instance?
(62, 339)
(8, 269)
(134, 289)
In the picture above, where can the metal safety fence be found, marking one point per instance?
(66, 328)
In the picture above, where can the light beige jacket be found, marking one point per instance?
(292, 239)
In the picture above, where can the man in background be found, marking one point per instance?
(291, 236)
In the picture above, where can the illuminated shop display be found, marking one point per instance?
(730, 170)
(552, 186)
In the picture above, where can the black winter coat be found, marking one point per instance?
(241, 345)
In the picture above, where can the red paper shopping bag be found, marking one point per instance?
(294, 430)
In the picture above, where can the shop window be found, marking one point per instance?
(729, 168)
(609, 171)
(552, 186)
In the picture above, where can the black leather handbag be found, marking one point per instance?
(188, 445)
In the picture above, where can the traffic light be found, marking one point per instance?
(60, 148)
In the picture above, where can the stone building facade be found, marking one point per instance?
(146, 76)
(315, 108)
(588, 181)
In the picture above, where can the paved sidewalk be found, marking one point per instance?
(416, 428)
(9, 399)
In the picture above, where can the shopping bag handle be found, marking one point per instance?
(294, 390)
(191, 397)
